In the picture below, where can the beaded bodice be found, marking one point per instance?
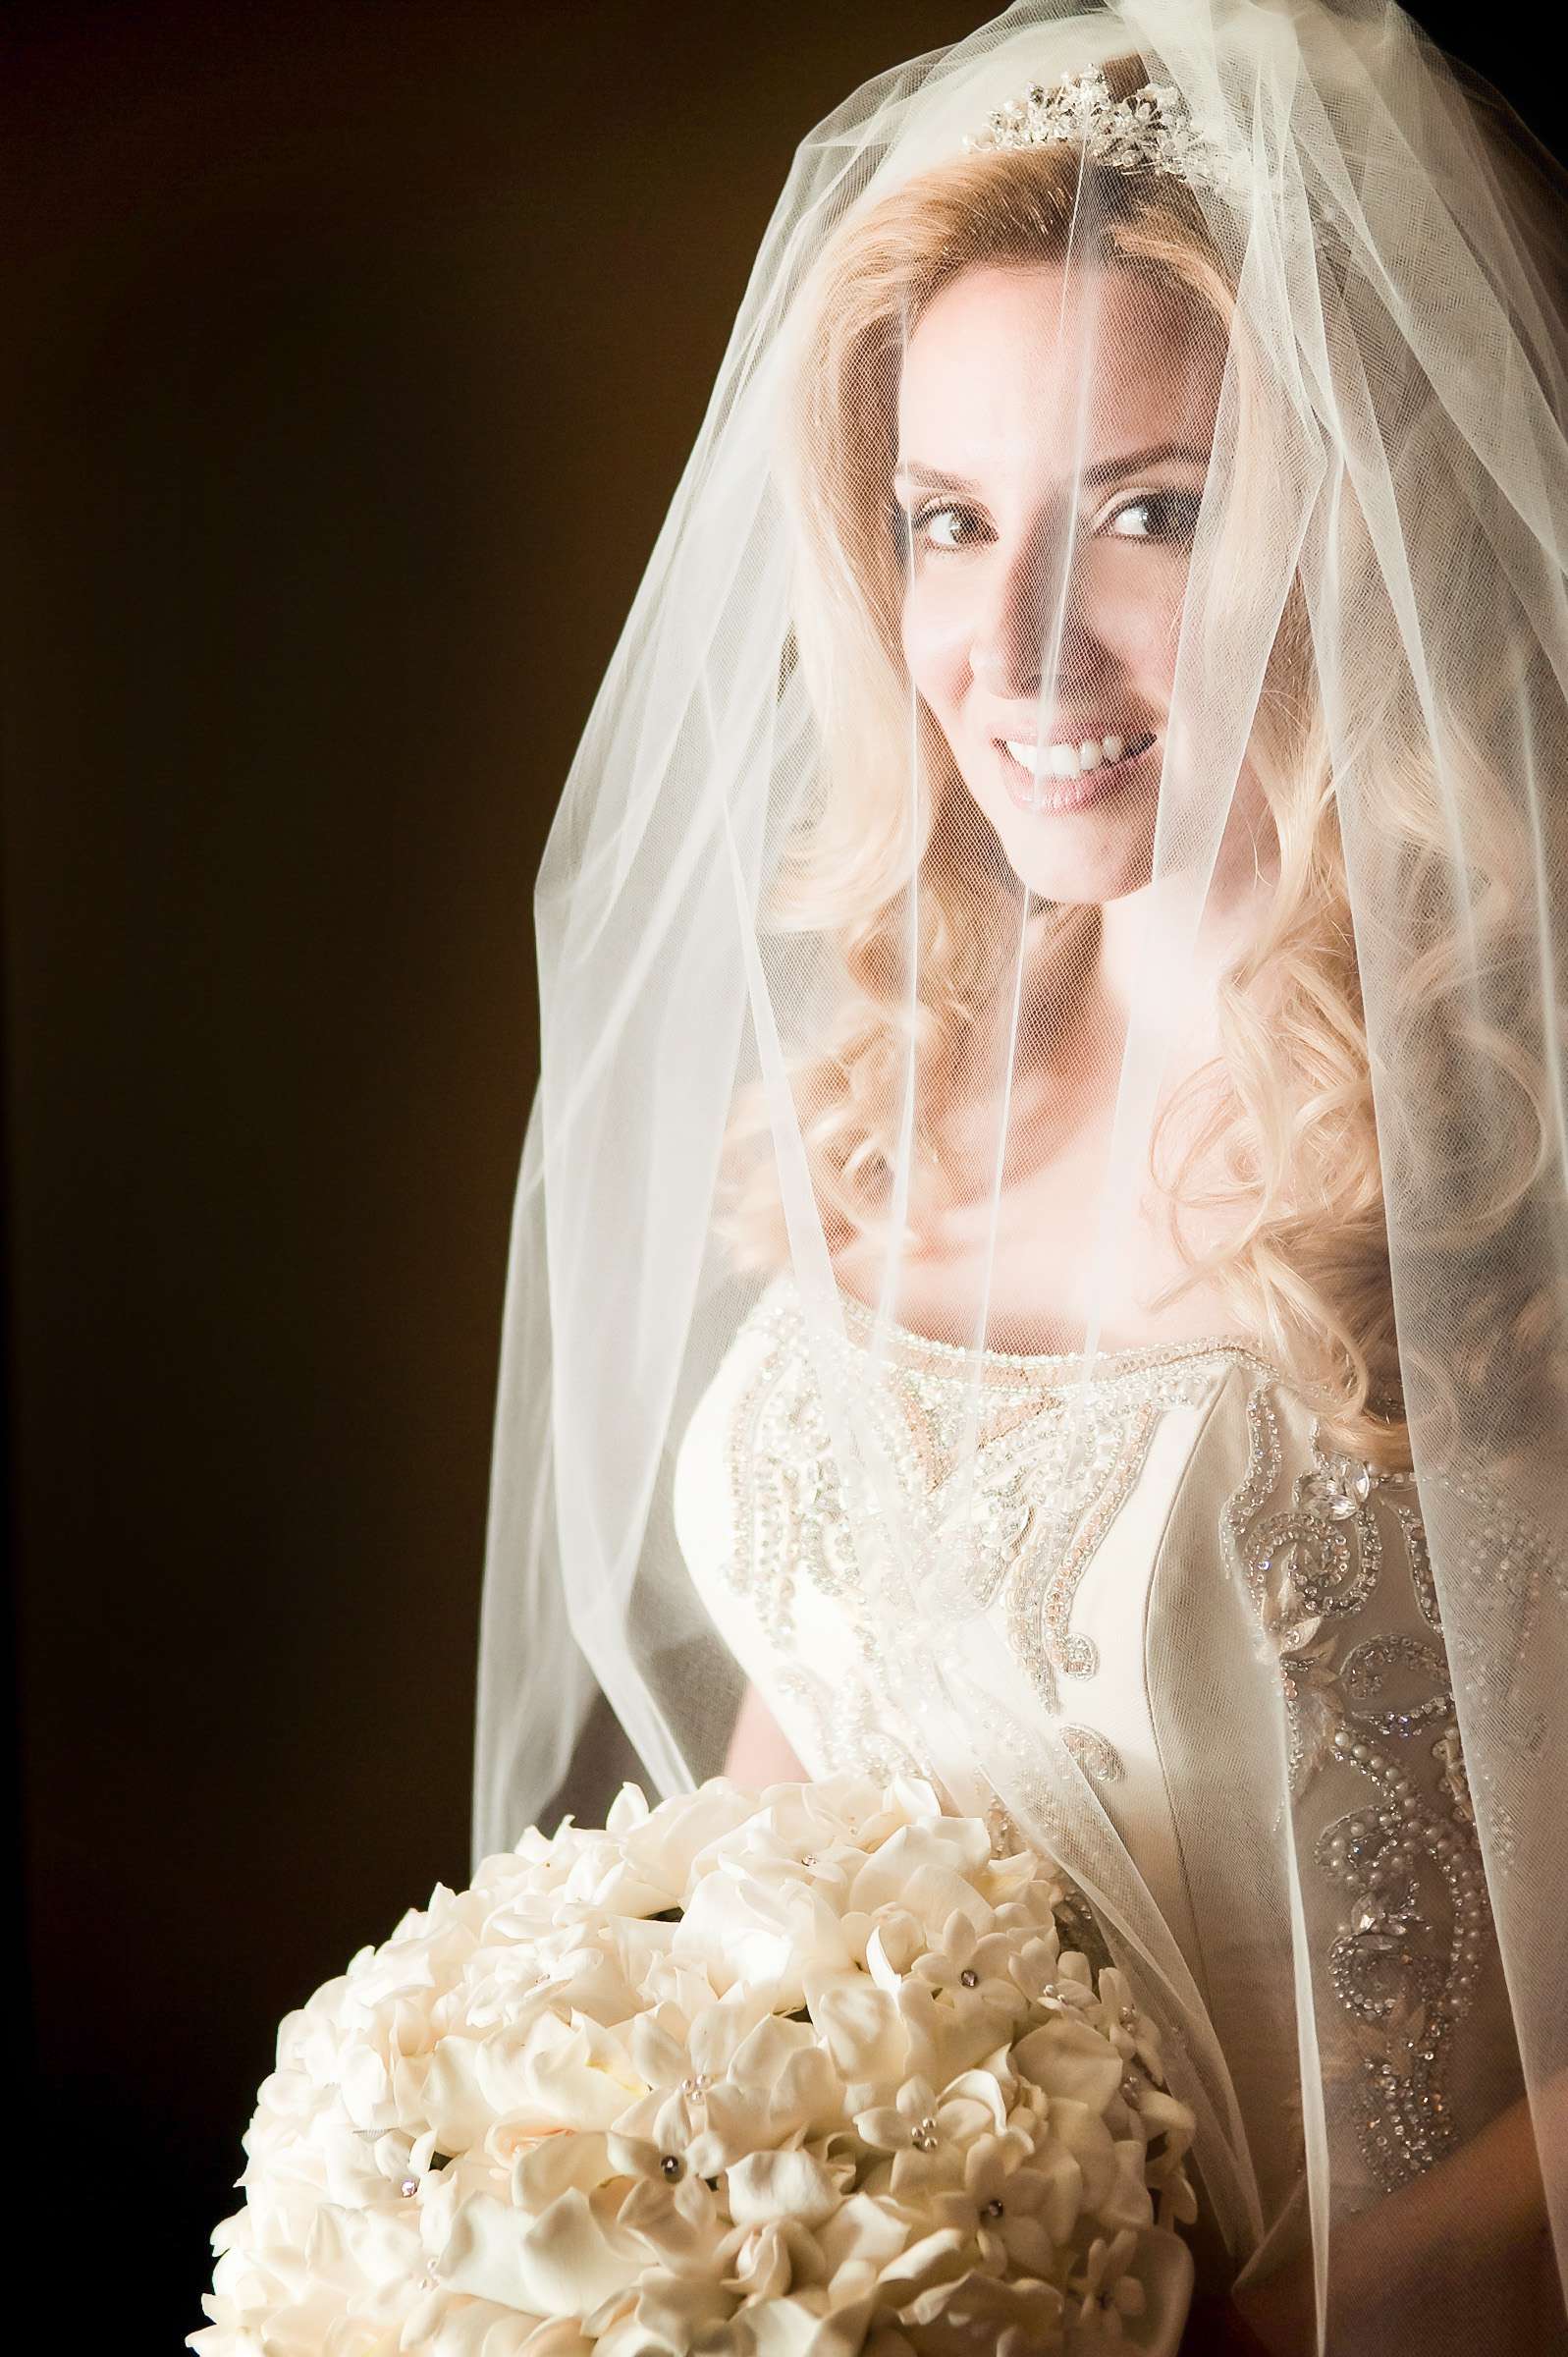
(1231, 1631)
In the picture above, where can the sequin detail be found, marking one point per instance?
(1007, 1472)
(1402, 1863)
(1094, 1755)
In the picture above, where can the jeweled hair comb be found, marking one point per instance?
(1150, 132)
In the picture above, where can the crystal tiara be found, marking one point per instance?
(1149, 132)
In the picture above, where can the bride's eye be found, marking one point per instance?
(945, 528)
(1169, 516)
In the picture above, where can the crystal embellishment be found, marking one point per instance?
(1008, 1510)
(1339, 1488)
(1150, 132)
(1362, 1705)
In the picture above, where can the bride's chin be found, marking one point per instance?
(1097, 871)
(1073, 858)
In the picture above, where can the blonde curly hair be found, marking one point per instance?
(1282, 1141)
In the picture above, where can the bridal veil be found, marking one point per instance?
(825, 928)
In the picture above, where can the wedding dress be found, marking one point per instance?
(1116, 597)
(1127, 1563)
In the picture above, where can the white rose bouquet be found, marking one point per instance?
(817, 2073)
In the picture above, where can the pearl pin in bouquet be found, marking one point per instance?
(815, 2071)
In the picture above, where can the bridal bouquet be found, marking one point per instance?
(811, 2072)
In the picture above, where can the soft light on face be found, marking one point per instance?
(1053, 437)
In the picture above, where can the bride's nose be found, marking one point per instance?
(998, 662)
(1008, 649)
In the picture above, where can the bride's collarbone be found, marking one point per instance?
(1028, 1263)
(1029, 1308)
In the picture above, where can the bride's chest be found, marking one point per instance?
(1011, 1499)
(1052, 1261)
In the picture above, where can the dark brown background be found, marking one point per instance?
(354, 352)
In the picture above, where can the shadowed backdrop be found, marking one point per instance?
(353, 353)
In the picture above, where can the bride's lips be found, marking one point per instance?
(1043, 797)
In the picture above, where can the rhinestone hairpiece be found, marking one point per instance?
(1150, 132)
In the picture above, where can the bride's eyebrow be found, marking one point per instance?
(931, 478)
(912, 472)
(1133, 462)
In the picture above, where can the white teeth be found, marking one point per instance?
(1066, 760)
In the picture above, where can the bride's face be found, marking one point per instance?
(1024, 390)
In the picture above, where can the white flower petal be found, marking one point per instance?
(863, 2231)
(861, 2025)
(559, 2264)
(628, 1808)
(892, 1947)
(767, 2187)
(938, 2258)
(657, 2058)
(720, 2032)
(886, 2128)
(1062, 2203)
(1067, 2058)
(554, 2164)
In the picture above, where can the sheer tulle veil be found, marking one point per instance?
(824, 979)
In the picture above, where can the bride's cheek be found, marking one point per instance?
(936, 642)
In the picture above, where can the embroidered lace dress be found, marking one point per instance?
(1172, 1564)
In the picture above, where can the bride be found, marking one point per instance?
(1042, 1256)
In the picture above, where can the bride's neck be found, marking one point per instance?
(1161, 961)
